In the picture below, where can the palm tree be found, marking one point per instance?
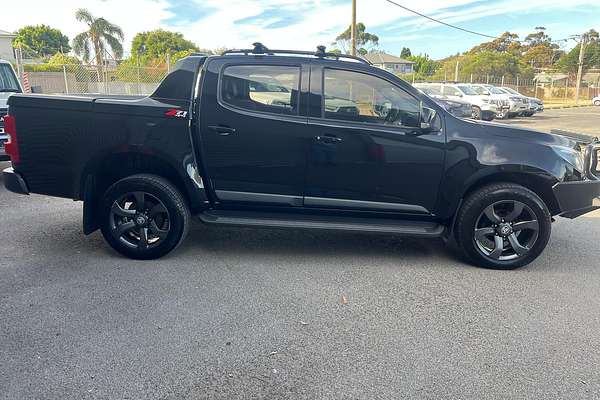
(100, 34)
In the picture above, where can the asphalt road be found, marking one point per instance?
(582, 119)
(241, 314)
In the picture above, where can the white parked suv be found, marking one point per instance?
(517, 105)
(596, 101)
(483, 107)
(535, 105)
(9, 84)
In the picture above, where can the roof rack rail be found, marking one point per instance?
(260, 49)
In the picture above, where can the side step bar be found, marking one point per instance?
(298, 221)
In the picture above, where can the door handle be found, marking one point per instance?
(328, 139)
(222, 130)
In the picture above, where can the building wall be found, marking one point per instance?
(6, 49)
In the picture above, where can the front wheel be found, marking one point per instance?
(503, 226)
(144, 217)
(476, 113)
(597, 103)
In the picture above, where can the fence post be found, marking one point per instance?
(502, 80)
(138, 76)
(66, 81)
(169, 64)
(471, 78)
(517, 83)
(566, 88)
(487, 80)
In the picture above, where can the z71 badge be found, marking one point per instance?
(176, 113)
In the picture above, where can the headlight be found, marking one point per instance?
(572, 156)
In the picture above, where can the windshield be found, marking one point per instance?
(8, 80)
(468, 90)
(495, 90)
(509, 90)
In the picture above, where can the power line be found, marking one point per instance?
(460, 28)
(441, 22)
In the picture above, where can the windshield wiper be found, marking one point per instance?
(13, 90)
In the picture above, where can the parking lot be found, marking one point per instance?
(240, 313)
(581, 119)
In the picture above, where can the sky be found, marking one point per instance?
(304, 24)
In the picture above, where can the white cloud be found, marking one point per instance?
(318, 23)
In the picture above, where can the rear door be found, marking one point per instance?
(253, 130)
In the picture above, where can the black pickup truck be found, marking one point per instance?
(287, 139)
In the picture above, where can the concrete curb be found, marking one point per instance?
(558, 107)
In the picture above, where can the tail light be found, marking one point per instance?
(11, 146)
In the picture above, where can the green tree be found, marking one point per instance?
(405, 53)
(364, 39)
(157, 43)
(507, 42)
(485, 63)
(42, 40)
(569, 63)
(539, 37)
(63, 59)
(99, 35)
(424, 66)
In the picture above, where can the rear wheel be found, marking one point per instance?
(476, 113)
(597, 103)
(144, 217)
(503, 226)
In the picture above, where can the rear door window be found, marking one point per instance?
(261, 88)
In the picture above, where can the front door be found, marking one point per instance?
(253, 138)
(368, 152)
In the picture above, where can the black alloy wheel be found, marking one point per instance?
(144, 216)
(502, 226)
(506, 230)
(139, 220)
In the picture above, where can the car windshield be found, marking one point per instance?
(468, 90)
(8, 80)
(495, 90)
(509, 90)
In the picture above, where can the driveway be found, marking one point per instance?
(580, 119)
(250, 314)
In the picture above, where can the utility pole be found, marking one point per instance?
(456, 71)
(353, 29)
(582, 44)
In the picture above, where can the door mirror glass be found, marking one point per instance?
(430, 120)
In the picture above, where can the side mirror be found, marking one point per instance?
(430, 120)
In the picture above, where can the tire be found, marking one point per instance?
(597, 103)
(144, 217)
(502, 115)
(491, 244)
(476, 113)
(488, 116)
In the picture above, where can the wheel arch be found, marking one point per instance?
(104, 171)
(537, 183)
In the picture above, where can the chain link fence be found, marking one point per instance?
(123, 79)
(560, 89)
(127, 79)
